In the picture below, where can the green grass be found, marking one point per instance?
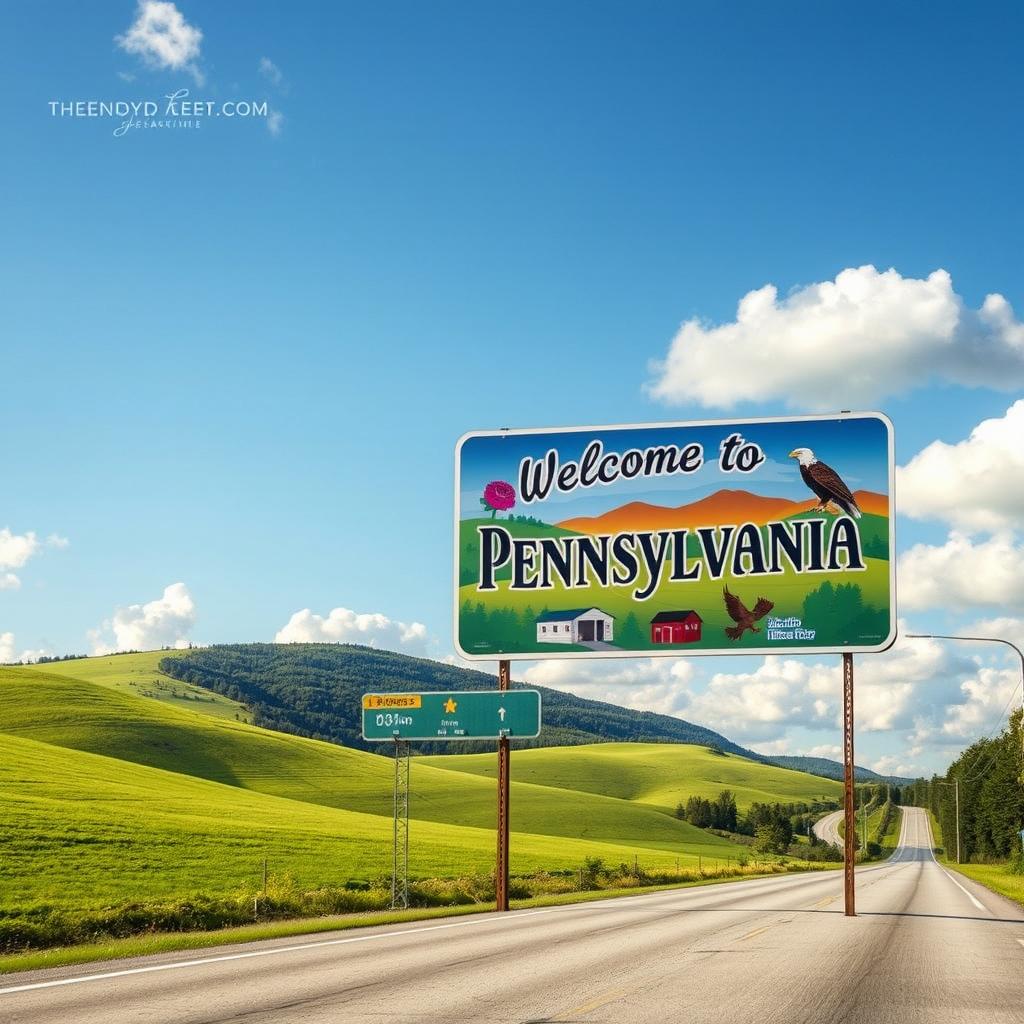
(147, 945)
(111, 796)
(657, 775)
(137, 675)
(82, 831)
(996, 877)
(81, 716)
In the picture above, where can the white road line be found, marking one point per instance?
(178, 964)
(519, 915)
(969, 895)
(1021, 941)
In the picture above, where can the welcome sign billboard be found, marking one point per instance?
(764, 536)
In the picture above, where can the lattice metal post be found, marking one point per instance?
(501, 866)
(400, 857)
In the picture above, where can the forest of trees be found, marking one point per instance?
(772, 826)
(989, 776)
(315, 690)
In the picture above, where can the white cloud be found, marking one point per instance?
(275, 122)
(55, 540)
(8, 581)
(342, 625)
(162, 37)
(648, 684)
(163, 622)
(890, 764)
(832, 751)
(270, 71)
(9, 654)
(962, 574)
(843, 344)
(987, 696)
(16, 549)
(975, 484)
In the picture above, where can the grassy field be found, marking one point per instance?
(119, 785)
(653, 774)
(83, 830)
(137, 675)
(81, 716)
(996, 877)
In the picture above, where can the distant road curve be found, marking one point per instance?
(827, 828)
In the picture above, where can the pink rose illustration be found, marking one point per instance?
(498, 497)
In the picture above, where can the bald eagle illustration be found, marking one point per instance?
(825, 482)
(743, 618)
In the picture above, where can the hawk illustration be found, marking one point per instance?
(743, 618)
(825, 482)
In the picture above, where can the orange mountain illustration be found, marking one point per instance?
(725, 506)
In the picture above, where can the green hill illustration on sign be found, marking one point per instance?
(767, 536)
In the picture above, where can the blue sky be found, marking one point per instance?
(237, 357)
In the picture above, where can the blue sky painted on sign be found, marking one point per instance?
(237, 355)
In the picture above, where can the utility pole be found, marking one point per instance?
(501, 867)
(849, 813)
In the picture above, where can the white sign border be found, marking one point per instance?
(683, 424)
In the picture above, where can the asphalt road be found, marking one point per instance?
(926, 946)
(827, 828)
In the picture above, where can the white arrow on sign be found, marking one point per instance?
(501, 714)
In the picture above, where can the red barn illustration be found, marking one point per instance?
(681, 627)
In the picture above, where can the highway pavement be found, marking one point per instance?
(827, 828)
(927, 946)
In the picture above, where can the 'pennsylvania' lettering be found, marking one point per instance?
(643, 560)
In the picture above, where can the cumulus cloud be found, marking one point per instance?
(16, 549)
(55, 540)
(830, 750)
(843, 344)
(163, 622)
(648, 684)
(9, 654)
(342, 625)
(987, 696)
(162, 37)
(890, 764)
(963, 573)
(8, 581)
(975, 484)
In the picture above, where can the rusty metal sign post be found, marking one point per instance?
(501, 866)
(850, 845)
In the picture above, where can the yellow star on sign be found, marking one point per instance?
(450, 706)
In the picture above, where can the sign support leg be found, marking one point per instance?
(501, 868)
(848, 787)
(400, 851)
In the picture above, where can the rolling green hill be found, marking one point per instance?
(315, 689)
(86, 831)
(82, 716)
(655, 775)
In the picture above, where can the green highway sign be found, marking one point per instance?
(460, 715)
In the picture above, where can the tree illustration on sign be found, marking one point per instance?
(498, 497)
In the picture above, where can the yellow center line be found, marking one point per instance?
(607, 997)
(756, 931)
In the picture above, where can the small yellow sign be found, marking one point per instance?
(374, 701)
